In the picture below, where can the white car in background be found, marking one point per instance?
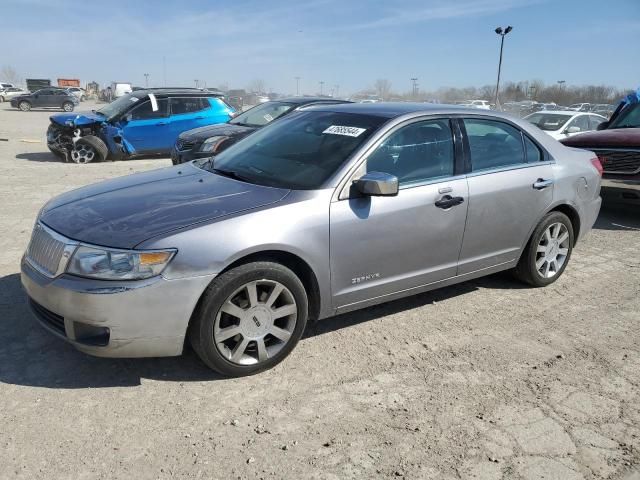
(78, 92)
(481, 104)
(565, 123)
(8, 93)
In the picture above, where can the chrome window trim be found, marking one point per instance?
(517, 166)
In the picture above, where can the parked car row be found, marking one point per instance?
(144, 122)
(565, 123)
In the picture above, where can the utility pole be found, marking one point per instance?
(196, 82)
(146, 80)
(321, 85)
(414, 87)
(297, 86)
(502, 34)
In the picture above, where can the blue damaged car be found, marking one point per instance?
(144, 122)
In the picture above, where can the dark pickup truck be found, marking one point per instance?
(617, 145)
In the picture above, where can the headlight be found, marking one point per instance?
(118, 264)
(211, 144)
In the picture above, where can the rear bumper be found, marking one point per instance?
(146, 318)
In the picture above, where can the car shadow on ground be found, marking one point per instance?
(39, 157)
(618, 217)
(31, 356)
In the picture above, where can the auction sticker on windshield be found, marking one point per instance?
(348, 131)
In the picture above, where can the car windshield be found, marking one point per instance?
(629, 117)
(262, 114)
(299, 152)
(118, 106)
(548, 121)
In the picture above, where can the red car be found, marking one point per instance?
(617, 144)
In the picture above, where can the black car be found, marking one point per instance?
(207, 141)
(46, 98)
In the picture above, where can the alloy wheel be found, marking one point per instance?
(552, 250)
(82, 153)
(255, 322)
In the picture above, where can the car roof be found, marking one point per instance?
(173, 92)
(308, 100)
(395, 109)
(566, 112)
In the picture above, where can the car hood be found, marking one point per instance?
(126, 211)
(223, 130)
(614, 138)
(79, 119)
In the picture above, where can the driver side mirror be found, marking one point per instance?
(603, 125)
(377, 184)
(574, 129)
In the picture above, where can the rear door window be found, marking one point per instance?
(493, 144)
(180, 106)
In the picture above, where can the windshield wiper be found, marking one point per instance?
(231, 174)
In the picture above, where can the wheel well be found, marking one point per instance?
(570, 212)
(295, 264)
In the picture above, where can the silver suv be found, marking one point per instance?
(332, 209)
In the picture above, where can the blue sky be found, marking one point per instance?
(346, 42)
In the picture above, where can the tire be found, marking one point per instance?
(552, 238)
(24, 106)
(256, 321)
(89, 149)
(67, 107)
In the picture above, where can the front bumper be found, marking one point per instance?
(621, 188)
(178, 157)
(145, 318)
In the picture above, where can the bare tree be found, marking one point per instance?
(9, 75)
(257, 86)
(382, 88)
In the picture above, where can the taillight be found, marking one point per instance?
(596, 163)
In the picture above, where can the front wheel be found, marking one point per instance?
(547, 254)
(89, 149)
(67, 106)
(249, 319)
(24, 106)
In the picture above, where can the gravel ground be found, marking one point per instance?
(487, 379)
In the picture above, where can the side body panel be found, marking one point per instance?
(503, 208)
(381, 245)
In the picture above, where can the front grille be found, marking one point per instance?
(45, 251)
(54, 320)
(619, 161)
(184, 145)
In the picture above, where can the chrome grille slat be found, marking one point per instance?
(625, 162)
(45, 251)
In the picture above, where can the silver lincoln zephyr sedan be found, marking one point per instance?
(335, 208)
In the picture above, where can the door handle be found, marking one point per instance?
(448, 201)
(161, 123)
(541, 184)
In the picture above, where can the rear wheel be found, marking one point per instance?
(89, 149)
(24, 106)
(547, 254)
(67, 106)
(249, 319)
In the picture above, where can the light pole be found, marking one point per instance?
(414, 87)
(502, 34)
(297, 86)
(146, 80)
(196, 82)
(561, 83)
(321, 85)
